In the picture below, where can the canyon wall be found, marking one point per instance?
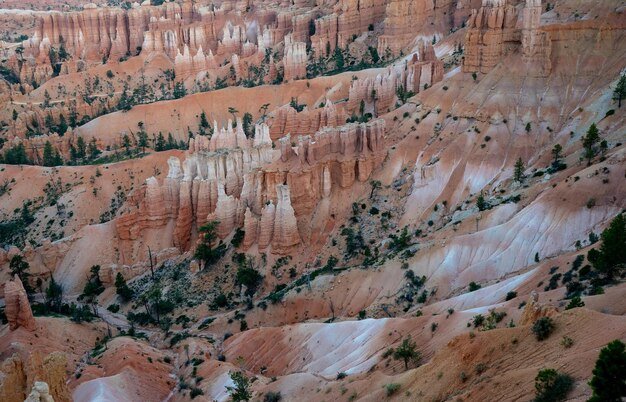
(287, 120)
(378, 93)
(492, 34)
(264, 190)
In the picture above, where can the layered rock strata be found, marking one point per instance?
(378, 93)
(492, 34)
(261, 189)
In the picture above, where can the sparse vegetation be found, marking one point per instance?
(542, 328)
(392, 388)
(407, 352)
(240, 390)
(552, 386)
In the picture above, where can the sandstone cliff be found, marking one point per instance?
(492, 34)
(248, 187)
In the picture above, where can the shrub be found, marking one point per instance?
(195, 392)
(473, 286)
(272, 397)
(114, 308)
(238, 237)
(574, 303)
(392, 388)
(480, 368)
(511, 295)
(567, 342)
(542, 328)
(341, 376)
(552, 386)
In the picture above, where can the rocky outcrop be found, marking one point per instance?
(378, 94)
(348, 19)
(490, 30)
(492, 34)
(34, 376)
(223, 138)
(536, 43)
(535, 310)
(39, 393)
(295, 61)
(17, 308)
(263, 190)
(285, 235)
(287, 120)
(404, 20)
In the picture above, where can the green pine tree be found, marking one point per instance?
(48, 154)
(518, 173)
(609, 375)
(589, 141)
(619, 93)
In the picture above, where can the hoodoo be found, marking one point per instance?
(305, 200)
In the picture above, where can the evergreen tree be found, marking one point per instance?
(46, 99)
(407, 351)
(171, 143)
(94, 285)
(122, 289)
(125, 103)
(160, 143)
(93, 148)
(248, 127)
(18, 266)
(240, 391)
(15, 115)
(53, 296)
(609, 376)
(16, 155)
(81, 148)
(233, 112)
(589, 142)
(204, 124)
(48, 154)
(481, 203)
(73, 117)
(73, 153)
(556, 151)
(611, 258)
(552, 386)
(179, 90)
(62, 127)
(205, 251)
(518, 173)
(57, 160)
(126, 143)
(49, 122)
(339, 59)
(142, 141)
(619, 93)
